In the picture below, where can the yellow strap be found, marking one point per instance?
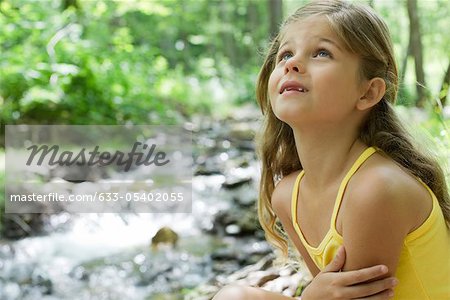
(361, 159)
(364, 155)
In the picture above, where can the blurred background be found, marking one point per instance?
(193, 63)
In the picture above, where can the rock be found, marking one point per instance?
(165, 235)
(44, 283)
(283, 280)
(16, 226)
(245, 145)
(236, 222)
(79, 173)
(232, 182)
(206, 170)
(263, 264)
(224, 254)
(248, 223)
(242, 131)
(80, 273)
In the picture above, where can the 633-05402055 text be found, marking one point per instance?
(100, 196)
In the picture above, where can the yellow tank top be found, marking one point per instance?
(424, 265)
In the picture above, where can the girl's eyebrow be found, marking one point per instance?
(322, 39)
(281, 46)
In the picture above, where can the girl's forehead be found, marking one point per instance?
(317, 27)
(312, 25)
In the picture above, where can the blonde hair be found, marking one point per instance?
(364, 33)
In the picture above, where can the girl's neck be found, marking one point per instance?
(326, 155)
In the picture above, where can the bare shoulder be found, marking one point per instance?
(382, 204)
(382, 186)
(281, 196)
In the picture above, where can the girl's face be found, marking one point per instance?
(315, 78)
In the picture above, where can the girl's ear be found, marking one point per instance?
(374, 91)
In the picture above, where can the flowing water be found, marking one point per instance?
(109, 256)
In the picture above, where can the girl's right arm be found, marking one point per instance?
(331, 283)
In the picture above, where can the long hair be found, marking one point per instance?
(364, 33)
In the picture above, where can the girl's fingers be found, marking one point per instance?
(362, 275)
(377, 288)
(387, 294)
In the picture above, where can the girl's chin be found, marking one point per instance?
(288, 111)
(288, 117)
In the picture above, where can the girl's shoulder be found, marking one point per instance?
(281, 196)
(382, 183)
(381, 173)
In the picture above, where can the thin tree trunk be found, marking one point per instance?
(443, 92)
(405, 63)
(416, 51)
(183, 35)
(252, 27)
(252, 13)
(69, 3)
(276, 15)
(228, 39)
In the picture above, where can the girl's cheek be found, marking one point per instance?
(272, 82)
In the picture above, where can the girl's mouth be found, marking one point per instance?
(291, 85)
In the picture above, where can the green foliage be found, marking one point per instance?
(405, 96)
(436, 41)
(431, 131)
(436, 45)
(437, 130)
(111, 62)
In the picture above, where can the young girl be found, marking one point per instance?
(346, 172)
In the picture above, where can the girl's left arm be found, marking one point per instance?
(377, 218)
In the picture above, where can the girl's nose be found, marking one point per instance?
(293, 65)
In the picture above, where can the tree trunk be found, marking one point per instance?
(443, 92)
(405, 63)
(69, 3)
(252, 13)
(416, 51)
(227, 35)
(275, 15)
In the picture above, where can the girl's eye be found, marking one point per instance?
(322, 53)
(285, 56)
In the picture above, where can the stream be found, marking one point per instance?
(109, 255)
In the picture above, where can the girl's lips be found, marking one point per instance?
(294, 86)
(291, 92)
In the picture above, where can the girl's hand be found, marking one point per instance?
(333, 284)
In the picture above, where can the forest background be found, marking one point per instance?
(173, 61)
